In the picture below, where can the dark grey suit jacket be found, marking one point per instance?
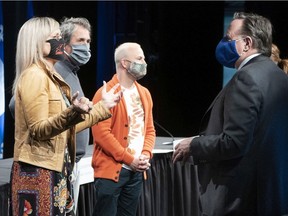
(242, 153)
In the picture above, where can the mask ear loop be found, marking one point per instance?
(70, 58)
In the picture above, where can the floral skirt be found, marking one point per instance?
(40, 192)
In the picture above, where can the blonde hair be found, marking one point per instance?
(123, 50)
(275, 56)
(30, 42)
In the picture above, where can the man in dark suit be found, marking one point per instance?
(242, 149)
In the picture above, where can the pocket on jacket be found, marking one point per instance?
(43, 147)
(55, 107)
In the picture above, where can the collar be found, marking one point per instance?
(73, 67)
(248, 59)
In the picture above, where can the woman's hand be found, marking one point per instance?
(83, 105)
(110, 99)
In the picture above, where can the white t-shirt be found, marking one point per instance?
(136, 121)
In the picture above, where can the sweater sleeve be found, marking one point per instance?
(104, 137)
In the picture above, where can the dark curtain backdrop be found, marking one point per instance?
(178, 39)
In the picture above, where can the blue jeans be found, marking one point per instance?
(118, 198)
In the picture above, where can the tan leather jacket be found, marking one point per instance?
(43, 123)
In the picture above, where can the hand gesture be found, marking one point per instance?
(83, 105)
(110, 99)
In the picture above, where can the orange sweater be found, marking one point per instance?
(110, 136)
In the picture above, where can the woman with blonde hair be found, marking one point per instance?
(47, 117)
(275, 56)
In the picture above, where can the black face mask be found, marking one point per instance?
(57, 49)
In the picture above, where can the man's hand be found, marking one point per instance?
(140, 164)
(182, 150)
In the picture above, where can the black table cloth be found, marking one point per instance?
(170, 189)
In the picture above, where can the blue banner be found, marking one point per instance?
(2, 95)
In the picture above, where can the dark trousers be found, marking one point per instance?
(118, 198)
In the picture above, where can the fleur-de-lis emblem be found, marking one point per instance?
(1, 33)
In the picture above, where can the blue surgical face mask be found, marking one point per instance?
(81, 53)
(226, 53)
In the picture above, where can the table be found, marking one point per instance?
(5, 167)
(170, 189)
